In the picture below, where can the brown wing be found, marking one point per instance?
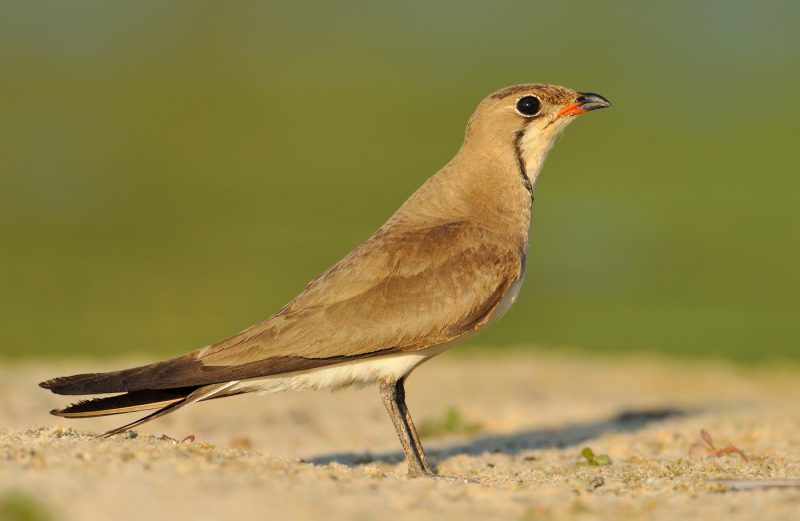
(402, 290)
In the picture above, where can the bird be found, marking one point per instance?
(447, 264)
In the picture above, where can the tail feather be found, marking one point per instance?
(202, 393)
(151, 376)
(165, 400)
(129, 402)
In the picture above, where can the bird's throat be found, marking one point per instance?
(531, 146)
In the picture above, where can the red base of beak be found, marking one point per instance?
(572, 110)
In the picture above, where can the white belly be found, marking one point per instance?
(346, 374)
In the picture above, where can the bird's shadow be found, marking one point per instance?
(518, 442)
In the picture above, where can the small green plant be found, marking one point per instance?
(592, 459)
(451, 422)
(20, 506)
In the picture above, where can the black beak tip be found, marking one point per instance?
(592, 101)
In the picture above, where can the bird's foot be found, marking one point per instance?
(430, 474)
(416, 472)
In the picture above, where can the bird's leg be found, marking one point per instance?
(393, 395)
(401, 400)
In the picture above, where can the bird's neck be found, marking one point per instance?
(499, 179)
(491, 189)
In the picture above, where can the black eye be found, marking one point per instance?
(529, 105)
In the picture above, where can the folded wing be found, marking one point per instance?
(400, 291)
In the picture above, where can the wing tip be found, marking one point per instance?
(79, 384)
(48, 384)
(59, 385)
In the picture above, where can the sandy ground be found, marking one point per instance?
(335, 456)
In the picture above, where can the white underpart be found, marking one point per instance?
(346, 374)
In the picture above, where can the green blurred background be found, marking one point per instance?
(171, 172)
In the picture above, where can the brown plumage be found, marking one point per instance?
(447, 263)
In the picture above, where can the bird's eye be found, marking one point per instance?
(529, 106)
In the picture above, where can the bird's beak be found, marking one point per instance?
(585, 102)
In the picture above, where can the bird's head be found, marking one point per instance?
(525, 120)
